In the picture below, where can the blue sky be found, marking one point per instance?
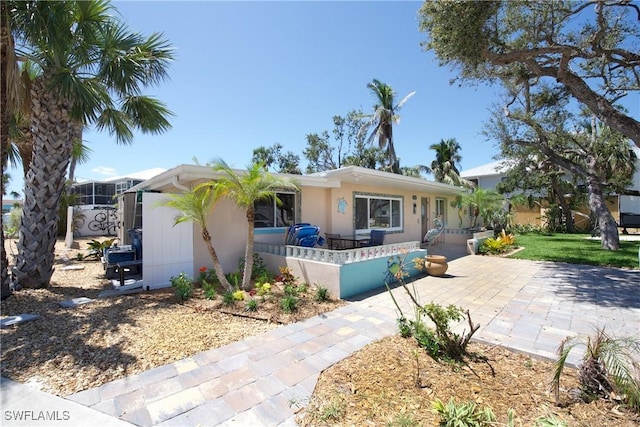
(250, 74)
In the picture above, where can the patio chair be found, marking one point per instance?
(376, 238)
(333, 242)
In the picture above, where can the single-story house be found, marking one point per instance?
(348, 201)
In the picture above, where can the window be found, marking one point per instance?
(440, 208)
(378, 212)
(269, 214)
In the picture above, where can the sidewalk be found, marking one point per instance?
(525, 305)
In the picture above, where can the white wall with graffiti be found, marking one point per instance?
(96, 222)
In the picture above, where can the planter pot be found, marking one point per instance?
(436, 265)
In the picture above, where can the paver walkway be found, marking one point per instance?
(525, 305)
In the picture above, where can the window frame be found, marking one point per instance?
(391, 198)
(440, 213)
(274, 205)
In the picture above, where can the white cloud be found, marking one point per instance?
(103, 170)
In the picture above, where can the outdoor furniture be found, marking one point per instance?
(354, 241)
(334, 241)
(304, 235)
(376, 238)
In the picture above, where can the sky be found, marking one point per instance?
(251, 74)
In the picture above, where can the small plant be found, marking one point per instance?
(259, 269)
(289, 304)
(322, 294)
(291, 290)
(329, 411)
(235, 279)
(80, 256)
(209, 290)
(227, 298)
(303, 287)
(462, 414)
(97, 247)
(263, 289)
(207, 275)
(608, 367)
(238, 295)
(182, 285)
(286, 276)
(403, 420)
(252, 305)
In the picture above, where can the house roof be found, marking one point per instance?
(141, 175)
(494, 168)
(183, 177)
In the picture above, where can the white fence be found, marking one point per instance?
(341, 257)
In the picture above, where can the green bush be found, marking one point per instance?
(209, 290)
(289, 304)
(322, 294)
(259, 269)
(227, 298)
(182, 286)
(252, 305)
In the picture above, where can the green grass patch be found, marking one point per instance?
(575, 249)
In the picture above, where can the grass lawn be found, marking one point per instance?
(575, 249)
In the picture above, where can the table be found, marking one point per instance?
(354, 241)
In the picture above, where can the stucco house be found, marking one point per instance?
(348, 201)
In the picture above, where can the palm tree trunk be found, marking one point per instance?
(52, 143)
(248, 252)
(217, 267)
(5, 44)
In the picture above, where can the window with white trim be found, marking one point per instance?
(377, 212)
(270, 214)
(441, 205)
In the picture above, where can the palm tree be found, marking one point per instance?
(382, 120)
(245, 189)
(444, 166)
(195, 205)
(93, 70)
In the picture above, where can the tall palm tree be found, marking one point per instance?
(93, 70)
(245, 189)
(195, 205)
(382, 120)
(444, 166)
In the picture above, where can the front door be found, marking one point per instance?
(424, 216)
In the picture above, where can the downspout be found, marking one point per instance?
(177, 184)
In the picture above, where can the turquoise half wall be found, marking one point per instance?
(365, 276)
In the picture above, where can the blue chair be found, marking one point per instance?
(376, 238)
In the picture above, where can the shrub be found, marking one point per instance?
(462, 414)
(259, 268)
(322, 294)
(263, 289)
(608, 367)
(303, 287)
(286, 276)
(252, 305)
(227, 298)
(235, 279)
(182, 285)
(289, 304)
(209, 290)
(238, 295)
(207, 275)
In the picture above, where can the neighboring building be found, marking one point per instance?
(489, 175)
(103, 194)
(349, 201)
(486, 176)
(8, 204)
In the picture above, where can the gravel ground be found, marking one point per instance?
(70, 350)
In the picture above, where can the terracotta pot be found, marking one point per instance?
(436, 265)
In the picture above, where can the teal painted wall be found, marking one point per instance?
(368, 275)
